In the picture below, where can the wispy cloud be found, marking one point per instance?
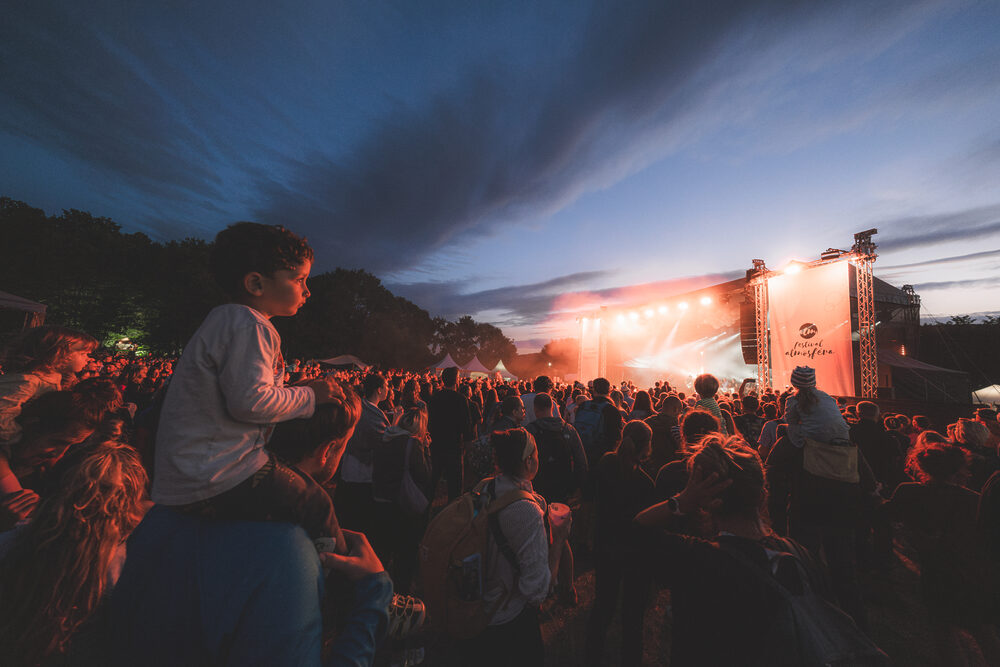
(958, 284)
(956, 259)
(930, 230)
(537, 303)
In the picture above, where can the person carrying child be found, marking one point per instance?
(228, 391)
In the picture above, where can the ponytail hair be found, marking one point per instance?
(806, 398)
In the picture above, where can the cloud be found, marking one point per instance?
(957, 284)
(539, 304)
(986, 254)
(515, 304)
(504, 147)
(930, 230)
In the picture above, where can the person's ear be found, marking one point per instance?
(253, 283)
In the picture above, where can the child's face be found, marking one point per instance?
(78, 359)
(284, 292)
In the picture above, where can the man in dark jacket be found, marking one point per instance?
(562, 463)
(450, 426)
(599, 423)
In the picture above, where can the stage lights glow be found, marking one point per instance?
(650, 312)
(683, 305)
(620, 318)
(792, 269)
(664, 310)
(706, 300)
(633, 315)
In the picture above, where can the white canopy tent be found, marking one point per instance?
(502, 370)
(475, 368)
(989, 395)
(345, 361)
(34, 312)
(447, 362)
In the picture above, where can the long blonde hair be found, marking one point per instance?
(56, 571)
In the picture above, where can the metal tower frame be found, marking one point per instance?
(864, 257)
(760, 308)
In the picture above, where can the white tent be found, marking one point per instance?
(475, 367)
(346, 361)
(989, 395)
(447, 362)
(34, 311)
(502, 370)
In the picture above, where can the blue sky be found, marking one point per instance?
(491, 158)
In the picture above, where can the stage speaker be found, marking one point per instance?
(748, 332)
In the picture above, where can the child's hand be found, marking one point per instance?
(360, 560)
(326, 390)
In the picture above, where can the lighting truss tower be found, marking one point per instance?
(602, 345)
(760, 308)
(864, 257)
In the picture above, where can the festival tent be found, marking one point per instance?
(502, 370)
(34, 312)
(910, 378)
(447, 362)
(475, 367)
(345, 361)
(989, 395)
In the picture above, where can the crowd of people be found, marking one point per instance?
(227, 507)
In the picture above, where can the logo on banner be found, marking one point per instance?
(808, 330)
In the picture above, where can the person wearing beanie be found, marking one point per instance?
(812, 413)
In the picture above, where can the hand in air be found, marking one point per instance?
(360, 560)
(702, 491)
(326, 390)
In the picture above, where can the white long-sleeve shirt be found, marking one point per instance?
(522, 523)
(225, 394)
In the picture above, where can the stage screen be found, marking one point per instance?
(810, 322)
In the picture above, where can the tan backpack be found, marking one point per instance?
(453, 560)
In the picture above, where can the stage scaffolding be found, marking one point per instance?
(862, 255)
(758, 288)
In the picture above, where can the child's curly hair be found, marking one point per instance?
(245, 247)
(44, 349)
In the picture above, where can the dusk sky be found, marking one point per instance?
(511, 159)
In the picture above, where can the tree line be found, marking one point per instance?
(966, 344)
(115, 285)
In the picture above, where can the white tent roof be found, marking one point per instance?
(502, 370)
(447, 362)
(345, 360)
(990, 394)
(476, 366)
(20, 303)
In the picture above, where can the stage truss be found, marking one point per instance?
(862, 255)
(758, 291)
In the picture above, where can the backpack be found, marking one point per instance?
(589, 423)
(453, 560)
(554, 481)
(807, 629)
